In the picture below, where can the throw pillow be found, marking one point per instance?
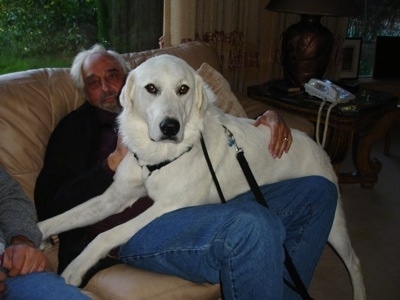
(225, 99)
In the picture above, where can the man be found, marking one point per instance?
(22, 264)
(238, 244)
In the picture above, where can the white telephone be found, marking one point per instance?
(326, 90)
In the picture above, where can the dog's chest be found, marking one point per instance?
(189, 179)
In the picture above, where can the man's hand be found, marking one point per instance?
(281, 137)
(22, 257)
(118, 155)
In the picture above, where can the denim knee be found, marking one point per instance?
(326, 190)
(253, 225)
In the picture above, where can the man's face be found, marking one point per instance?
(103, 79)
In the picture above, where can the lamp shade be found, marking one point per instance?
(315, 7)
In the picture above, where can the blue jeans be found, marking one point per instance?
(240, 244)
(41, 286)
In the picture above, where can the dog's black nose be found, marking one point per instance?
(169, 127)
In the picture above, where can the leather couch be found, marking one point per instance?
(33, 102)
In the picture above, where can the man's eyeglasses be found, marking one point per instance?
(111, 77)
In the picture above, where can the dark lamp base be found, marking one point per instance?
(306, 50)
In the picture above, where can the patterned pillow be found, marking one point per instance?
(225, 100)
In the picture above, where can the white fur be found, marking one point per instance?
(187, 181)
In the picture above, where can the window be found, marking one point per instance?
(378, 18)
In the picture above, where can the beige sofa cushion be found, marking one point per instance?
(31, 105)
(225, 99)
(132, 283)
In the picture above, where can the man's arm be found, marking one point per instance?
(72, 173)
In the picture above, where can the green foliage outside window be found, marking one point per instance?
(377, 17)
(46, 27)
(49, 33)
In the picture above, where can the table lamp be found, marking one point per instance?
(307, 45)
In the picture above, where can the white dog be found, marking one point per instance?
(165, 111)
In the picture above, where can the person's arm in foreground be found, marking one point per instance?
(18, 231)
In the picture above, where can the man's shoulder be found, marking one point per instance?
(85, 109)
(84, 113)
(80, 122)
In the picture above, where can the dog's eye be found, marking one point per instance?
(151, 88)
(183, 89)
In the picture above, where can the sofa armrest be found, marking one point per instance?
(254, 108)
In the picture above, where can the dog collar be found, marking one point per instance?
(153, 168)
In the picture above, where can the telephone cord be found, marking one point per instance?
(328, 113)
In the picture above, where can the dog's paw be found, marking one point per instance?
(73, 275)
(45, 229)
(46, 244)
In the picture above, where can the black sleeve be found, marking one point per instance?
(71, 172)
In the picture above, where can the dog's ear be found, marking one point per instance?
(201, 100)
(126, 97)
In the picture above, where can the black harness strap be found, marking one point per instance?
(298, 286)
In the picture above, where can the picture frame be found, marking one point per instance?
(351, 54)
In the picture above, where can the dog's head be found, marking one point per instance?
(167, 95)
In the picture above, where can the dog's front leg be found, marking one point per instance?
(125, 190)
(109, 240)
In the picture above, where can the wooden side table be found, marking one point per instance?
(389, 134)
(355, 125)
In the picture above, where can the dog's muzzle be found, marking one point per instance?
(169, 127)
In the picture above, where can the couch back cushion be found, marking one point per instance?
(31, 105)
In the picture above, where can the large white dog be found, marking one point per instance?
(165, 110)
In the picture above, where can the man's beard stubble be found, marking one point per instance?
(106, 104)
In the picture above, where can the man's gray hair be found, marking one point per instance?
(76, 68)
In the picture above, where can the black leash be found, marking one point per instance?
(298, 286)
(214, 177)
